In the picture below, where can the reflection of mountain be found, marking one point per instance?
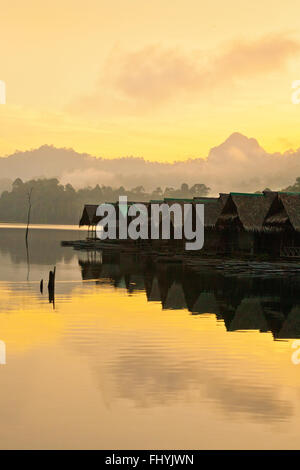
(44, 252)
(44, 245)
(243, 303)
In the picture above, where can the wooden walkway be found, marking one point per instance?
(290, 251)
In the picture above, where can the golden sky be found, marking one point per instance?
(166, 79)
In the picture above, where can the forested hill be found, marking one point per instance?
(54, 203)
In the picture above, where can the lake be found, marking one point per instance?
(136, 354)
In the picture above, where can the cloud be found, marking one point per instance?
(81, 178)
(238, 164)
(245, 59)
(154, 75)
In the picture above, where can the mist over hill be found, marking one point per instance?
(238, 164)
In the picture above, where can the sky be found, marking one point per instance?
(165, 80)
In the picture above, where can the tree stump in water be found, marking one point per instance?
(51, 285)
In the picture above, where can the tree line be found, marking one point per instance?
(55, 203)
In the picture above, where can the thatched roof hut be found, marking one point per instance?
(284, 213)
(212, 209)
(90, 218)
(244, 211)
(212, 206)
(88, 215)
(223, 197)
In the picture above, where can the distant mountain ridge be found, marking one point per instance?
(237, 164)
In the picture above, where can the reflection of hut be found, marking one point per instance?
(241, 221)
(90, 270)
(111, 271)
(282, 225)
(249, 316)
(152, 290)
(291, 325)
(175, 299)
(206, 303)
(274, 311)
(135, 282)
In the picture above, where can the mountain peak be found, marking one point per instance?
(238, 139)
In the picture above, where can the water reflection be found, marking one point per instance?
(140, 353)
(243, 303)
(44, 245)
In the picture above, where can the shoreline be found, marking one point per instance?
(17, 225)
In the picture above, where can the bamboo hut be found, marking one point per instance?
(89, 219)
(177, 244)
(213, 207)
(236, 223)
(241, 221)
(282, 225)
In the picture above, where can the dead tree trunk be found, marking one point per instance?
(27, 230)
(51, 286)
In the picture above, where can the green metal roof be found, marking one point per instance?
(247, 194)
(288, 192)
(178, 199)
(205, 199)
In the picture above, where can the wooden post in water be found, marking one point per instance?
(27, 230)
(51, 286)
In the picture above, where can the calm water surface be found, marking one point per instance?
(141, 355)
